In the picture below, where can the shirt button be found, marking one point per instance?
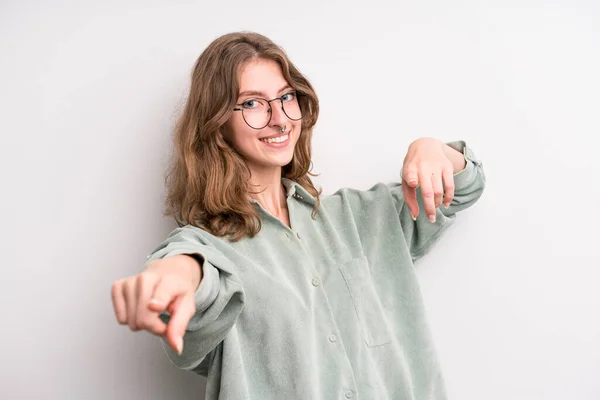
(298, 235)
(348, 394)
(316, 282)
(287, 235)
(332, 338)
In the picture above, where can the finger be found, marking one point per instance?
(410, 175)
(427, 193)
(145, 318)
(145, 285)
(410, 199)
(182, 309)
(130, 301)
(118, 300)
(448, 177)
(438, 188)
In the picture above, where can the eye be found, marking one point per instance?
(251, 104)
(288, 96)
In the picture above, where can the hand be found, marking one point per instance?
(166, 284)
(427, 165)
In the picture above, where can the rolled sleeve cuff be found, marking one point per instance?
(208, 290)
(468, 174)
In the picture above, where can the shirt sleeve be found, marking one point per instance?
(219, 298)
(421, 234)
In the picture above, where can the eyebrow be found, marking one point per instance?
(259, 93)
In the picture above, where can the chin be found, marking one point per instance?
(284, 161)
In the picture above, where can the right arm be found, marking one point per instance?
(189, 294)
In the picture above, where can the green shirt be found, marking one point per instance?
(329, 309)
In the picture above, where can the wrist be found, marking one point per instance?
(193, 263)
(456, 157)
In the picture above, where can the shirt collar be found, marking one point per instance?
(295, 190)
(298, 192)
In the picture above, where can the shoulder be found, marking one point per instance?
(191, 235)
(190, 232)
(380, 192)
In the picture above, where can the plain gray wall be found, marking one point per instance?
(89, 92)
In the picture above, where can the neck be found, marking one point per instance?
(271, 196)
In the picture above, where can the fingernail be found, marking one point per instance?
(413, 217)
(432, 218)
(156, 301)
(179, 346)
(446, 205)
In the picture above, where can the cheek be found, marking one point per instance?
(239, 135)
(297, 130)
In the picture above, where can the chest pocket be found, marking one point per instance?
(368, 308)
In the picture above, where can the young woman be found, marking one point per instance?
(269, 289)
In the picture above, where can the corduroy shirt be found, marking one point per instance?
(327, 309)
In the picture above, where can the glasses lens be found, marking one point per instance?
(291, 107)
(256, 113)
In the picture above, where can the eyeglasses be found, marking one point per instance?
(257, 112)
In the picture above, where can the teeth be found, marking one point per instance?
(277, 139)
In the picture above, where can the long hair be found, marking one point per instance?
(208, 182)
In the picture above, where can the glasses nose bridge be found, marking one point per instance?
(280, 103)
(282, 110)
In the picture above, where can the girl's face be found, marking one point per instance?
(267, 147)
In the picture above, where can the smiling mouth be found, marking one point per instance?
(276, 139)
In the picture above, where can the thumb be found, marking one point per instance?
(165, 292)
(159, 303)
(410, 176)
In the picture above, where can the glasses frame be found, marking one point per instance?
(270, 110)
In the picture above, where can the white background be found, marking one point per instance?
(89, 92)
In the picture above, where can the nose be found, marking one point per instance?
(278, 117)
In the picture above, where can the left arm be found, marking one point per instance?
(372, 212)
(435, 167)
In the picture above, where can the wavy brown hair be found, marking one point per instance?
(208, 182)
